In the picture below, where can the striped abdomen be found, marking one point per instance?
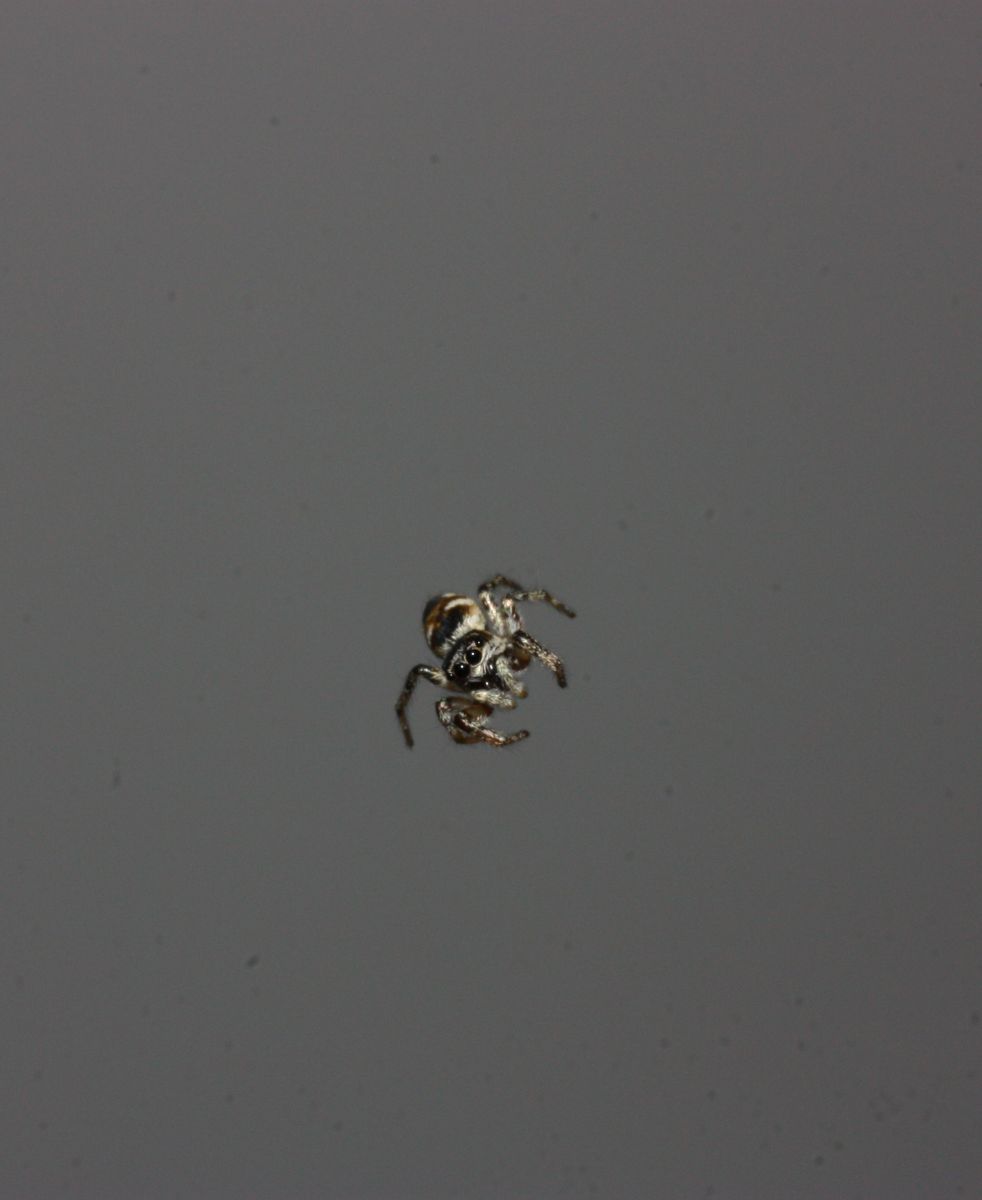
(447, 618)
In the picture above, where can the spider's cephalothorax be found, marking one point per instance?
(484, 648)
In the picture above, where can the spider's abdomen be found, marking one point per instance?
(447, 618)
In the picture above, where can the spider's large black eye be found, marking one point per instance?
(473, 655)
(460, 671)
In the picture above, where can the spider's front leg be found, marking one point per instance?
(546, 657)
(464, 720)
(517, 593)
(434, 675)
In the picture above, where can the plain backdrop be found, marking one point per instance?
(311, 311)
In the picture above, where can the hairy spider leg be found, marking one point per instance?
(465, 719)
(517, 592)
(546, 657)
(422, 670)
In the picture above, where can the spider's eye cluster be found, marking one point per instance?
(470, 658)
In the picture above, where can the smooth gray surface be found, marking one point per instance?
(310, 311)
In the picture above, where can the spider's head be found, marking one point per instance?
(470, 664)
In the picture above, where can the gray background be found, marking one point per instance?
(311, 311)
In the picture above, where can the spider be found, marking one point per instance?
(484, 648)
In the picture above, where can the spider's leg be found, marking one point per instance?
(500, 581)
(503, 616)
(517, 592)
(434, 675)
(546, 657)
(548, 597)
(464, 720)
(495, 697)
(497, 620)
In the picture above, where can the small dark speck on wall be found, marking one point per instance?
(252, 960)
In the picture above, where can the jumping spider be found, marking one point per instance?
(483, 652)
